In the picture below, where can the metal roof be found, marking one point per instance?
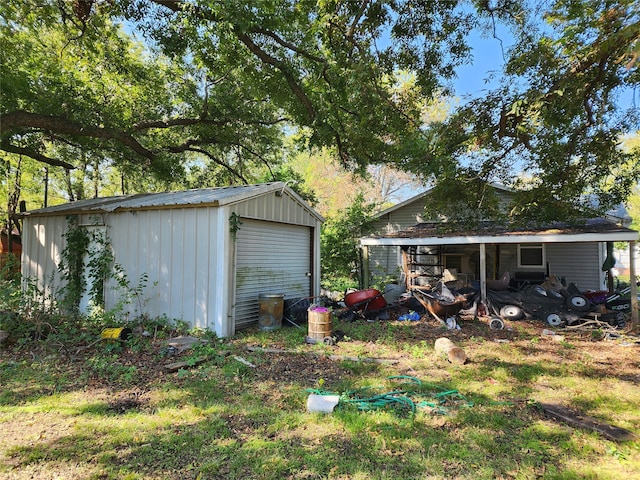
(595, 229)
(198, 197)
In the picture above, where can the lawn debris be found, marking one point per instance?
(174, 367)
(576, 419)
(406, 398)
(344, 358)
(322, 403)
(193, 362)
(244, 361)
(180, 344)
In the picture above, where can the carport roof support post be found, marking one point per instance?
(635, 320)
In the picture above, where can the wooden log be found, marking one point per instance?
(454, 354)
(575, 419)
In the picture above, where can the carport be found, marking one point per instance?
(593, 231)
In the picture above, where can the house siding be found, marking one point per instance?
(578, 263)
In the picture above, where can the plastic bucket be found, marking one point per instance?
(271, 308)
(116, 333)
(319, 323)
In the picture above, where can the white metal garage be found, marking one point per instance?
(207, 254)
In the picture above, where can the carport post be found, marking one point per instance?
(365, 266)
(483, 273)
(635, 321)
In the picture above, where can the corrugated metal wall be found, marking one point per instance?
(271, 258)
(42, 246)
(278, 208)
(178, 250)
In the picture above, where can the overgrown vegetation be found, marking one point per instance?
(111, 411)
(339, 244)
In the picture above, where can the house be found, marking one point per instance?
(201, 256)
(405, 244)
(9, 245)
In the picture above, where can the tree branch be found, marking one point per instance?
(179, 6)
(282, 67)
(176, 122)
(216, 161)
(280, 41)
(60, 125)
(10, 148)
(352, 29)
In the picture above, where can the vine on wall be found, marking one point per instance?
(83, 245)
(72, 263)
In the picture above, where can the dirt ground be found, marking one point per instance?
(610, 352)
(150, 366)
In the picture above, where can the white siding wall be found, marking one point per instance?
(42, 246)
(284, 209)
(578, 263)
(178, 250)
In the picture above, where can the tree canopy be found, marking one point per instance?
(145, 85)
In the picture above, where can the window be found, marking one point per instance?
(531, 255)
(453, 262)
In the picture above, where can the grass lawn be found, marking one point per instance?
(112, 411)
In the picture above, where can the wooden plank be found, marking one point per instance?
(611, 432)
(174, 367)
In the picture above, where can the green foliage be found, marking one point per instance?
(286, 173)
(339, 241)
(130, 294)
(72, 265)
(235, 223)
(209, 94)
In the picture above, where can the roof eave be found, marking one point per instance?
(628, 236)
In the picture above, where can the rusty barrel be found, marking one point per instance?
(271, 309)
(319, 322)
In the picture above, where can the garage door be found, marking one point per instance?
(271, 258)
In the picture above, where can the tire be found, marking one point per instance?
(553, 318)
(496, 324)
(554, 294)
(538, 291)
(579, 303)
(511, 312)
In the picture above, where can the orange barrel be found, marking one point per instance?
(319, 322)
(271, 309)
